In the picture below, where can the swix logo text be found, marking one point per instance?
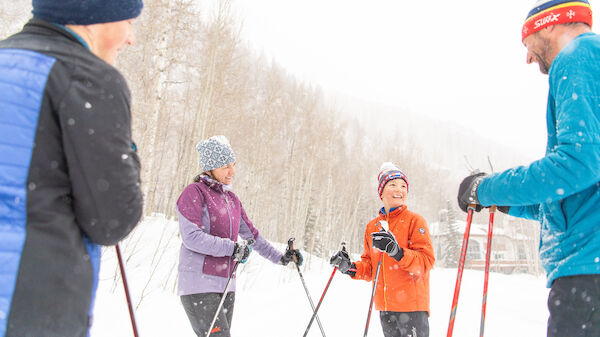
(546, 19)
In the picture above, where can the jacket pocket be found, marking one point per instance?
(554, 219)
(217, 266)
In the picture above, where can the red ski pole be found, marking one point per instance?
(487, 268)
(129, 304)
(312, 305)
(320, 301)
(461, 265)
(227, 285)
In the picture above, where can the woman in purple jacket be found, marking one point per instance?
(211, 218)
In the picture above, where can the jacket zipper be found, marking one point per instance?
(230, 225)
(385, 306)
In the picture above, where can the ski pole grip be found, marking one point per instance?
(385, 226)
(492, 208)
(291, 248)
(471, 206)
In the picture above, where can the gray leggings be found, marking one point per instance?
(201, 309)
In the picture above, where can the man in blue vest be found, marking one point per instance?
(562, 189)
(69, 172)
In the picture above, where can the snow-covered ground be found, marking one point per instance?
(270, 300)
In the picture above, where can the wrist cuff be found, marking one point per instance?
(351, 271)
(399, 255)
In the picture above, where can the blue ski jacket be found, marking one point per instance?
(69, 178)
(562, 189)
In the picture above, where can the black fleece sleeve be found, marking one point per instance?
(103, 165)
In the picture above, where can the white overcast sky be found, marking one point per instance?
(459, 60)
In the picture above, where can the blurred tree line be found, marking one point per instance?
(303, 168)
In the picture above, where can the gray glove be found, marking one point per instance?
(242, 250)
(341, 260)
(386, 242)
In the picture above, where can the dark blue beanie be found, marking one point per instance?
(86, 12)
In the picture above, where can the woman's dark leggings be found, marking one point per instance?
(201, 309)
(404, 324)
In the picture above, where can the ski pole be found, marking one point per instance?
(373, 295)
(312, 305)
(127, 296)
(487, 268)
(320, 301)
(384, 227)
(461, 265)
(237, 263)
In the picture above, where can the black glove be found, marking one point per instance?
(341, 260)
(386, 242)
(503, 209)
(292, 255)
(467, 192)
(241, 251)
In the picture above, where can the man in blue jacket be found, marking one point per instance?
(562, 189)
(69, 173)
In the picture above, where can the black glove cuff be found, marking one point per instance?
(503, 209)
(399, 255)
(351, 271)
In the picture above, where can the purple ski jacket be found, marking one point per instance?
(210, 219)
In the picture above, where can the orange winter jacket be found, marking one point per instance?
(403, 285)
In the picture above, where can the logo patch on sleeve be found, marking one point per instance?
(422, 230)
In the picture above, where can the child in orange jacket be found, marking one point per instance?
(406, 253)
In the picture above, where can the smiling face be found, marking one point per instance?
(224, 174)
(107, 39)
(394, 194)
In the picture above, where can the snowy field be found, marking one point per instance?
(271, 302)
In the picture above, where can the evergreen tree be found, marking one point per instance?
(451, 245)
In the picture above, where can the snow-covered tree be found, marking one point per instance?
(451, 243)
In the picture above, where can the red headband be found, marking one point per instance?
(562, 13)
